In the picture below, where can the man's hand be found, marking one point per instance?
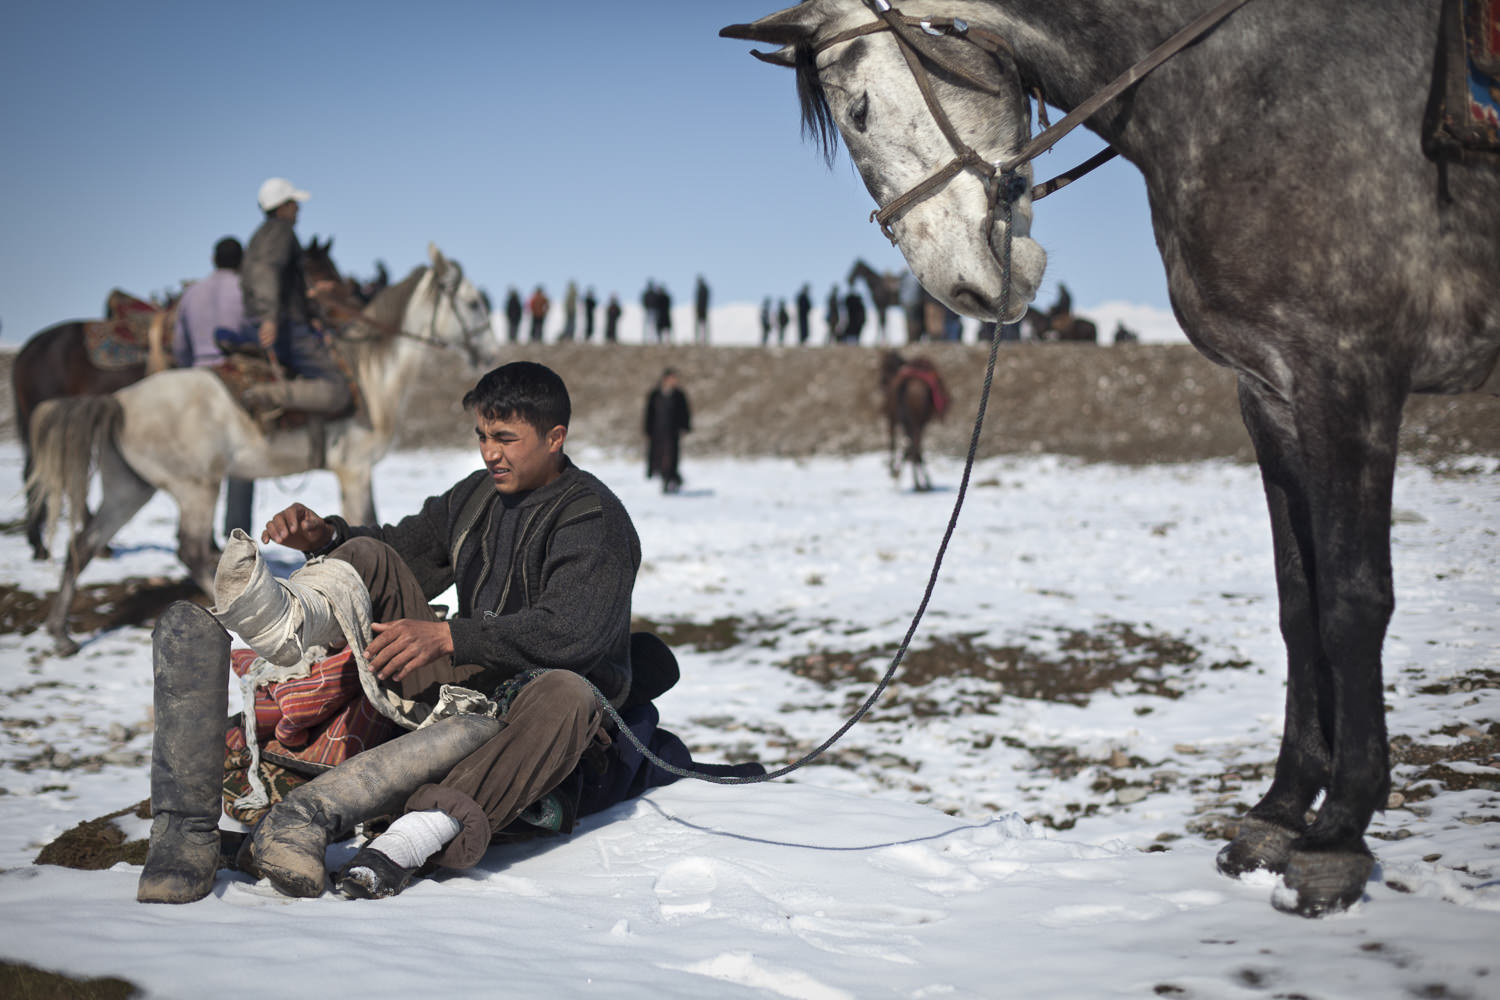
(268, 333)
(401, 646)
(299, 528)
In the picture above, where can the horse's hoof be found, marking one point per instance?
(1317, 883)
(64, 646)
(1258, 845)
(40, 555)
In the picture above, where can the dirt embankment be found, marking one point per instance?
(1141, 403)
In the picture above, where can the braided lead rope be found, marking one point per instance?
(1002, 199)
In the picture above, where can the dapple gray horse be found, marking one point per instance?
(1309, 245)
(182, 431)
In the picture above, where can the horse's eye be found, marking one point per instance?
(859, 110)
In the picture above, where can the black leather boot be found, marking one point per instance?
(288, 845)
(190, 663)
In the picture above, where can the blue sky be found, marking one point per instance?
(609, 143)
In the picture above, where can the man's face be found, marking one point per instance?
(519, 459)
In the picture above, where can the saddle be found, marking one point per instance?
(242, 369)
(1462, 122)
(123, 338)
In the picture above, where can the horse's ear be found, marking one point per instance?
(785, 58)
(790, 27)
(435, 256)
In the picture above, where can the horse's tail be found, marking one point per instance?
(67, 434)
(157, 359)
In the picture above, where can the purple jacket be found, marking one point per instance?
(206, 306)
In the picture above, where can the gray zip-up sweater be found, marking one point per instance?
(543, 579)
(271, 278)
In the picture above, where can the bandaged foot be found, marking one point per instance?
(385, 866)
(282, 620)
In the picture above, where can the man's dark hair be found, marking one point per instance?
(228, 253)
(522, 390)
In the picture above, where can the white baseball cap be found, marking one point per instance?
(277, 192)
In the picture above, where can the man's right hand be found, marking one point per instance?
(268, 333)
(299, 528)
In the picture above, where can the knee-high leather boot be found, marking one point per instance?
(190, 663)
(288, 845)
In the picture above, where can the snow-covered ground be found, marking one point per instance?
(971, 839)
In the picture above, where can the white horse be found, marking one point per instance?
(183, 432)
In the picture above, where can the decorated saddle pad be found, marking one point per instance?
(1463, 113)
(123, 338)
(922, 369)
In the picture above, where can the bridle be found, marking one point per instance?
(1001, 178)
(444, 290)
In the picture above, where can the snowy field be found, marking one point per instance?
(988, 832)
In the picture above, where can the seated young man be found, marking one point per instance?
(501, 697)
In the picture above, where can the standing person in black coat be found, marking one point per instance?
(804, 310)
(590, 304)
(667, 418)
(513, 310)
(612, 319)
(700, 311)
(854, 312)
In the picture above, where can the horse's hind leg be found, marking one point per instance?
(123, 494)
(36, 511)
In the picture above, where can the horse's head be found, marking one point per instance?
(317, 263)
(460, 314)
(861, 72)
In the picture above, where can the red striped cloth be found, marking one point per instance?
(322, 718)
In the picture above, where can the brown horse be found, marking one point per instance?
(885, 291)
(57, 362)
(913, 394)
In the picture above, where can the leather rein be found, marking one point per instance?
(1000, 177)
(430, 337)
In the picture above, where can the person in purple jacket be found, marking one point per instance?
(206, 307)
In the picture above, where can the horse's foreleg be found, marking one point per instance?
(356, 493)
(892, 462)
(195, 531)
(1339, 471)
(1265, 836)
(1352, 466)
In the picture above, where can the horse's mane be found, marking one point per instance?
(817, 117)
(388, 308)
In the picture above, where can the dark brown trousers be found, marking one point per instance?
(549, 725)
(396, 594)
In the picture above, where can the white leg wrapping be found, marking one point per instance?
(283, 620)
(417, 836)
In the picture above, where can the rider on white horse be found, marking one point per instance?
(275, 293)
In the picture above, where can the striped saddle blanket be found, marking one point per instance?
(1463, 110)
